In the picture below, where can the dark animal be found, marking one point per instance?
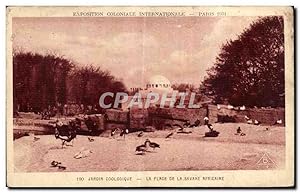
(91, 125)
(90, 139)
(140, 134)
(210, 127)
(36, 138)
(196, 124)
(154, 145)
(66, 133)
(124, 132)
(169, 135)
(55, 163)
(141, 148)
(239, 130)
(212, 133)
(62, 167)
(185, 132)
(112, 133)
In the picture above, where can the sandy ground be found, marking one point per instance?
(259, 149)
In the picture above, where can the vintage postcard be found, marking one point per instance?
(150, 96)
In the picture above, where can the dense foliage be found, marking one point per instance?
(250, 70)
(43, 81)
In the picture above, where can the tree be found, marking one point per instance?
(250, 70)
(39, 80)
(87, 84)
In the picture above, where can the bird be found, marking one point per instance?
(239, 130)
(124, 132)
(65, 133)
(152, 144)
(140, 134)
(90, 139)
(210, 127)
(250, 122)
(256, 122)
(278, 122)
(112, 133)
(196, 124)
(242, 108)
(206, 120)
(62, 167)
(180, 129)
(230, 107)
(55, 163)
(247, 118)
(169, 135)
(141, 148)
(267, 129)
(36, 138)
(83, 153)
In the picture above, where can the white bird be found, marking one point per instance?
(230, 107)
(250, 121)
(242, 108)
(256, 122)
(83, 153)
(247, 118)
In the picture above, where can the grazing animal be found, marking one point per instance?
(169, 135)
(140, 134)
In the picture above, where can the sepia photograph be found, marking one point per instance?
(146, 90)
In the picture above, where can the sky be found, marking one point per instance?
(133, 48)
